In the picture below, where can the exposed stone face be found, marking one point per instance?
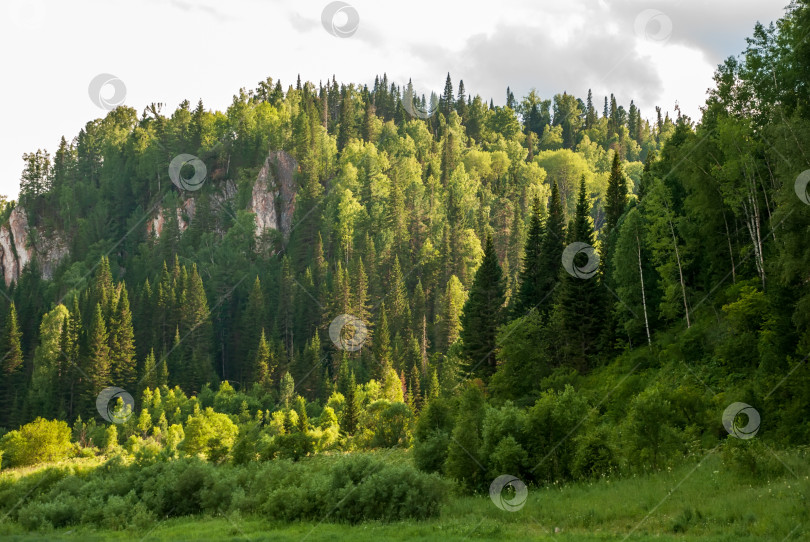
(18, 247)
(273, 199)
(186, 210)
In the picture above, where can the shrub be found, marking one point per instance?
(553, 423)
(209, 433)
(117, 496)
(292, 446)
(594, 455)
(36, 442)
(463, 455)
(750, 459)
(432, 435)
(651, 439)
(392, 426)
(430, 452)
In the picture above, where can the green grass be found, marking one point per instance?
(703, 502)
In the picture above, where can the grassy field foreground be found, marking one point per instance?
(698, 501)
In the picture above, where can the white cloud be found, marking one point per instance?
(170, 50)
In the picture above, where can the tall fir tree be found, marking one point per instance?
(448, 101)
(381, 345)
(252, 324)
(579, 303)
(351, 409)
(123, 368)
(198, 333)
(530, 292)
(551, 250)
(616, 195)
(483, 314)
(97, 365)
(263, 365)
(12, 386)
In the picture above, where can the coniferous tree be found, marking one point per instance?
(347, 123)
(452, 306)
(197, 325)
(433, 388)
(415, 389)
(616, 196)
(12, 386)
(381, 346)
(123, 368)
(461, 102)
(530, 292)
(97, 366)
(150, 376)
(400, 308)
(551, 249)
(448, 100)
(579, 302)
(483, 314)
(262, 364)
(70, 357)
(351, 410)
(251, 327)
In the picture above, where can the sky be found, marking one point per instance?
(52, 53)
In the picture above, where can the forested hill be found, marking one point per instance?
(442, 226)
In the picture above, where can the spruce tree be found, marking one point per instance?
(415, 389)
(433, 388)
(301, 410)
(351, 410)
(579, 302)
(400, 308)
(123, 368)
(461, 102)
(551, 251)
(530, 291)
(616, 196)
(381, 346)
(483, 314)
(197, 325)
(348, 124)
(70, 354)
(262, 367)
(97, 366)
(451, 307)
(149, 379)
(448, 101)
(12, 385)
(251, 327)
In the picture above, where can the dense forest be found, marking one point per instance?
(557, 288)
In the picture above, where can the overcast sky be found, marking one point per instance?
(654, 52)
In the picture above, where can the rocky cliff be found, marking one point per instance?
(19, 244)
(272, 199)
